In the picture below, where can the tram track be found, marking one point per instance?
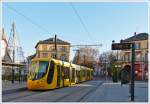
(89, 92)
(19, 94)
(26, 93)
(74, 93)
(13, 91)
(11, 95)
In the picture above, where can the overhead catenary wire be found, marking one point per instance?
(27, 18)
(81, 21)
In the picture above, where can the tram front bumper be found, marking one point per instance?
(36, 85)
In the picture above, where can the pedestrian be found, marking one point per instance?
(125, 75)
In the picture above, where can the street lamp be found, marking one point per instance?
(113, 41)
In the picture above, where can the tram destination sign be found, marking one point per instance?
(121, 46)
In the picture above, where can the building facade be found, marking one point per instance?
(46, 49)
(141, 54)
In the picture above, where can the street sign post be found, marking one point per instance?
(132, 72)
(124, 46)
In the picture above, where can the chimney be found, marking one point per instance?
(121, 41)
(134, 33)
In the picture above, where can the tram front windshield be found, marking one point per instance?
(40, 69)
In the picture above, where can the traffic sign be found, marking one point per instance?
(121, 46)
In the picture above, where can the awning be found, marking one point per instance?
(12, 64)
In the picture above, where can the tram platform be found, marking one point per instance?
(7, 86)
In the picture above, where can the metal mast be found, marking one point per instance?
(13, 44)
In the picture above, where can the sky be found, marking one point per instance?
(104, 22)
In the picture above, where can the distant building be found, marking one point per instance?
(141, 54)
(46, 48)
(4, 54)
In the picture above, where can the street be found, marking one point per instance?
(90, 91)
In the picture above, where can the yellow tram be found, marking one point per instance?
(45, 73)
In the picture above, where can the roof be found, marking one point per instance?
(137, 37)
(52, 41)
(4, 36)
(31, 56)
(12, 64)
(7, 57)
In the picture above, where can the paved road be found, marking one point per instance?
(91, 91)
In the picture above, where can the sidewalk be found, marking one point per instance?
(8, 87)
(114, 92)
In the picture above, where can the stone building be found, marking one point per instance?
(141, 54)
(46, 48)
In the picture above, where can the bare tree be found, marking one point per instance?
(86, 56)
(107, 58)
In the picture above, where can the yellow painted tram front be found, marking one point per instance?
(38, 74)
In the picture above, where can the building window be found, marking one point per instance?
(138, 57)
(45, 55)
(147, 45)
(63, 49)
(146, 57)
(63, 57)
(53, 55)
(127, 57)
(137, 46)
(44, 47)
(52, 48)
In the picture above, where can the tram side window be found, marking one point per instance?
(84, 73)
(66, 72)
(73, 72)
(81, 73)
(63, 70)
(88, 73)
(51, 72)
(91, 73)
(58, 70)
(77, 73)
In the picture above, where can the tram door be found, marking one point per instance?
(58, 75)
